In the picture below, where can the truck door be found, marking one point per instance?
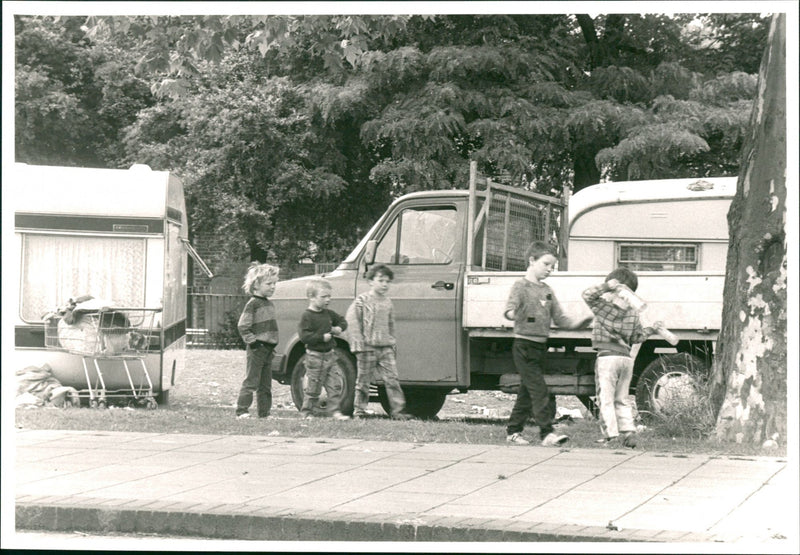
(421, 244)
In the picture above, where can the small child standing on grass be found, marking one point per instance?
(532, 305)
(259, 330)
(617, 327)
(318, 325)
(371, 322)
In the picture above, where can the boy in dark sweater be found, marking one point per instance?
(259, 330)
(317, 327)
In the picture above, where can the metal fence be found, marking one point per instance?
(212, 320)
(213, 314)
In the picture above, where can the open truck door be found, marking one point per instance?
(420, 242)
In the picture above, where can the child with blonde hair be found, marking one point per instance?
(259, 330)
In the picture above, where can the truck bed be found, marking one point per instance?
(689, 303)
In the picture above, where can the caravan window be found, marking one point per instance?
(56, 268)
(675, 257)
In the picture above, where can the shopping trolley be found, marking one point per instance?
(107, 339)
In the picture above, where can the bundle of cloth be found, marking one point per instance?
(37, 387)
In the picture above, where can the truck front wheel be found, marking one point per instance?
(669, 382)
(424, 403)
(345, 379)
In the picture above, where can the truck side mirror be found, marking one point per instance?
(369, 253)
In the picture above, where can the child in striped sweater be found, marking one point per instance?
(259, 330)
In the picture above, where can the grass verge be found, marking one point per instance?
(202, 403)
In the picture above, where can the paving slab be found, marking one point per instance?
(273, 487)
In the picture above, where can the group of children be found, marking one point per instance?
(532, 306)
(370, 321)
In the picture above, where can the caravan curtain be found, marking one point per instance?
(56, 268)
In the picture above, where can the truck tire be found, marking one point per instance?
(666, 379)
(421, 402)
(348, 374)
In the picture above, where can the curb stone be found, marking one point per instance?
(311, 525)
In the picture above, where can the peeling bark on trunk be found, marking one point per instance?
(750, 368)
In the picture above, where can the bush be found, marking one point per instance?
(228, 337)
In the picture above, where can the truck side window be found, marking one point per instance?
(420, 236)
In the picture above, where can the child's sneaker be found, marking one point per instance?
(552, 439)
(517, 439)
(629, 439)
(306, 415)
(339, 416)
(359, 414)
(605, 440)
(243, 416)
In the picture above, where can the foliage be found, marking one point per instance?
(685, 138)
(72, 98)
(266, 116)
(726, 40)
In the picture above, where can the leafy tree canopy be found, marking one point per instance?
(266, 116)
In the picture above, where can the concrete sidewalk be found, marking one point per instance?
(279, 488)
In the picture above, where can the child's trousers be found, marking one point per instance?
(533, 397)
(612, 378)
(321, 371)
(381, 360)
(258, 379)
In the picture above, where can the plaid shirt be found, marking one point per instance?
(615, 328)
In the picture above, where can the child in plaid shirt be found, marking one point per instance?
(616, 329)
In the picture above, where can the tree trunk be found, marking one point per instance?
(585, 170)
(749, 380)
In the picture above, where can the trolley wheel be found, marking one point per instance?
(151, 403)
(103, 404)
(131, 403)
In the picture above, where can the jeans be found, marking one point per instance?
(258, 379)
(322, 371)
(381, 361)
(612, 376)
(533, 397)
